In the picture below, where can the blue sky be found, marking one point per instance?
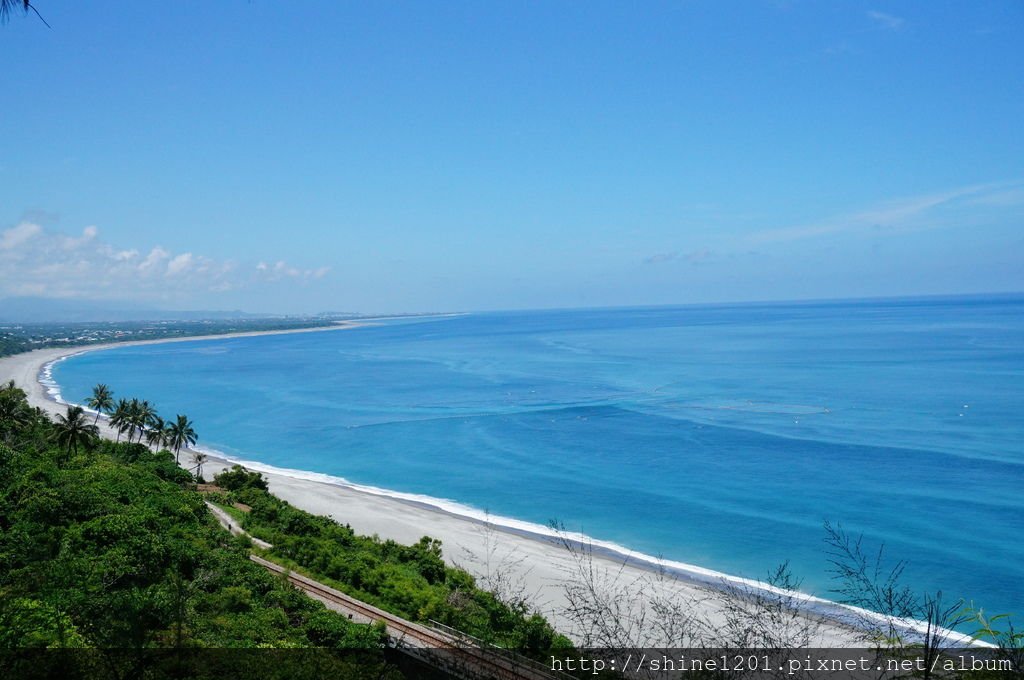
(387, 156)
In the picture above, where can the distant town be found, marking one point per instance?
(24, 337)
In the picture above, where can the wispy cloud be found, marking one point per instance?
(886, 21)
(692, 257)
(39, 261)
(1009, 197)
(914, 212)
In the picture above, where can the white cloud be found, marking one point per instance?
(155, 258)
(15, 236)
(71, 243)
(40, 262)
(282, 270)
(179, 264)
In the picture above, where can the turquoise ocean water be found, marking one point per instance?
(720, 436)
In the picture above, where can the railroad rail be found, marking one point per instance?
(447, 649)
(453, 653)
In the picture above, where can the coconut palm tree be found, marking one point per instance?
(181, 434)
(199, 458)
(9, 6)
(140, 413)
(147, 412)
(131, 418)
(101, 401)
(119, 418)
(73, 430)
(155, 435)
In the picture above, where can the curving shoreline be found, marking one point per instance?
(534, 555)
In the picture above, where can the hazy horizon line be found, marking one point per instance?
(365, 315)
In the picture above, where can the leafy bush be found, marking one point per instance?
(113, 549)
(238, 478)
(411, 581)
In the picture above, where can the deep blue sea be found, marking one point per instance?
(720, 436)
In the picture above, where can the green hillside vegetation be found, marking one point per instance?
(113, 549)
(108, 546)
(409, 580)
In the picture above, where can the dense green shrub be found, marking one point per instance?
(110, 547)
(238, 478)
(113, 549)
(412, 581)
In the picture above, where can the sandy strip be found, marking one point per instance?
(535, 566)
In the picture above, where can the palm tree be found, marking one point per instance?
(10, 386)
(119, 418)
(147, 412)
(131, 418)
(140, 414)
(156, 435)
(73, 429)
(101, 401)
(180, 433)
(199, 458)
(8, 6)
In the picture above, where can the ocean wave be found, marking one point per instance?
(46, 379)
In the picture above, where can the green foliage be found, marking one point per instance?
(101, 401)
(412, 581)
(107, 546)
(26, 622)
(73, 430)
(113, 549)
(238, 478)
(1000, 631)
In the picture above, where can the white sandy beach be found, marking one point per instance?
(505, 559)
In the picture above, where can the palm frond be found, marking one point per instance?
(9, 6)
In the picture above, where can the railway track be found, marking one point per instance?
(440, 649)
(449, 650)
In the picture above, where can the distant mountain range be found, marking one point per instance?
(46, 310)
